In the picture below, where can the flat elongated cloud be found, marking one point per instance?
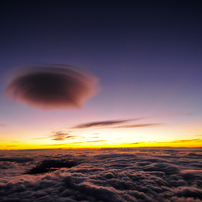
(115, 124)
(139, 125)
(52, 86)
(97, 141)
(103, 123)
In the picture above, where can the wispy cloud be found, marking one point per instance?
(83, 142)
(3, 125)
(55, 145)
(104, 123)
(178, 113)
(139, 125)
(137, 142)
(113, 124)
(60, 136)
(14, 141)
(97, 141)
(190, 140)
(11, 145)
(169, 142)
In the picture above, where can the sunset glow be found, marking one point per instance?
(100, 83)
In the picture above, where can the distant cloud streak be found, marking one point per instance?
(190, 140)
(113, 124)
(50, 87)
(89, 141)
(102, 123)
(94, 141)
(139, 125)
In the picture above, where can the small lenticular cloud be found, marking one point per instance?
(52, 86)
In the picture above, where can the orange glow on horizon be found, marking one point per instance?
(98, 145)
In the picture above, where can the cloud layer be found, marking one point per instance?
(108, 175)
(52, 86)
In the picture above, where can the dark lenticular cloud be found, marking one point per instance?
(52, 86)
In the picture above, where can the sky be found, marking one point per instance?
(132, 71)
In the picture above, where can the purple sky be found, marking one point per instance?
(147, 55)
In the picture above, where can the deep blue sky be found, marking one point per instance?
(147, 54)
(144, 41)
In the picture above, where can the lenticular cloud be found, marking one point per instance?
(52, 86)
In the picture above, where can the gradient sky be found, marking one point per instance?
(146, 54)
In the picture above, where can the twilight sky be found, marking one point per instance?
(144, 55)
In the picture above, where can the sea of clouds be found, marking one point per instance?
(106, 175)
